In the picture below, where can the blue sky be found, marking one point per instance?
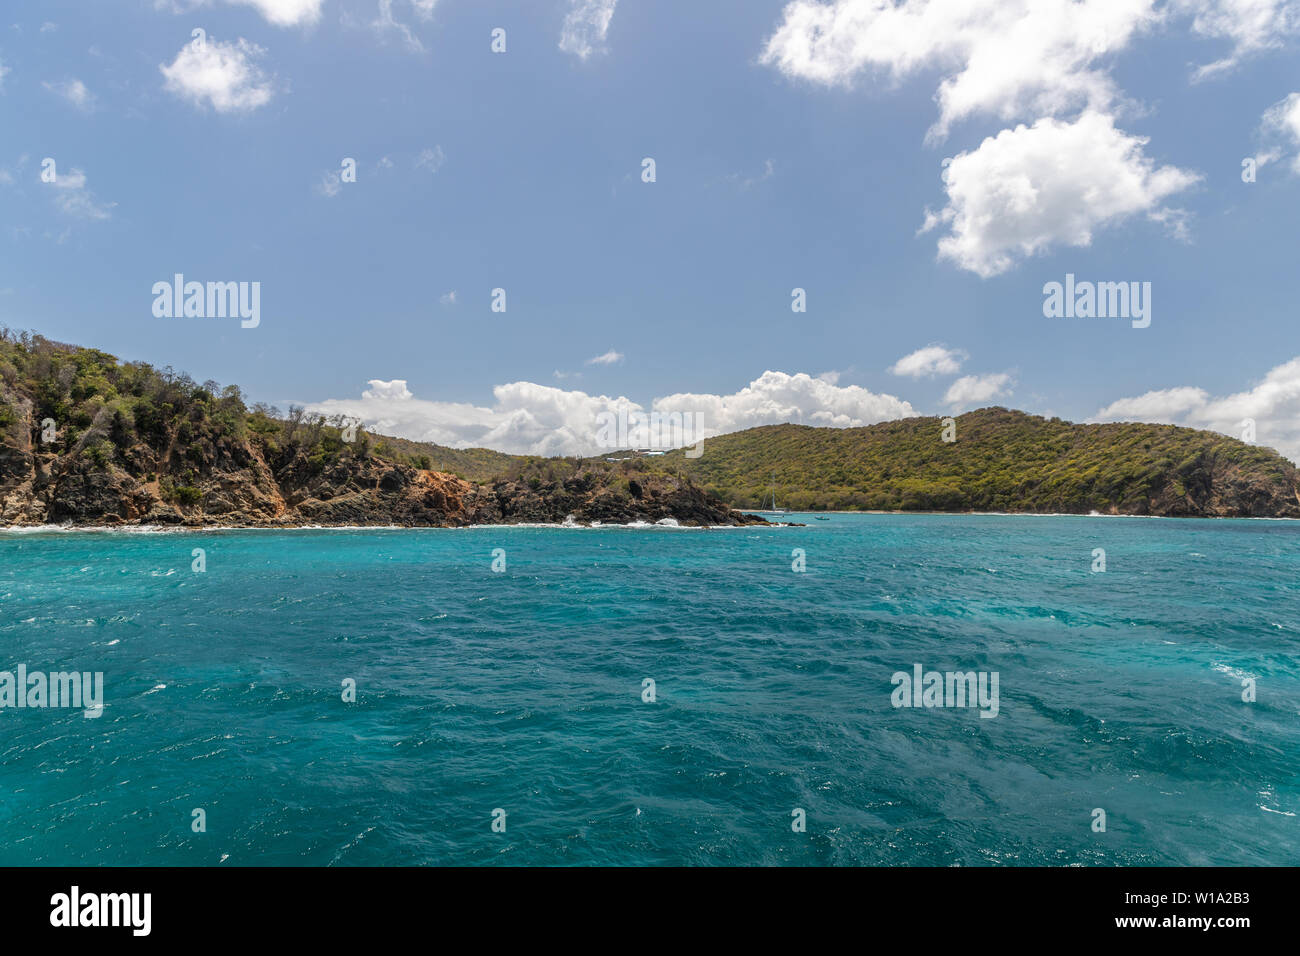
(800, 145)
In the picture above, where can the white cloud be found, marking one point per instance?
(528, 418)
(74, 91)
(930, 361)
(394, 391)
(1015, 59)
(386, 22)
(971, 390)
(4, 71)
(609, 358)
(1030, 188)
(1283, 119)
(1252, 26)
(1043, 61)
(424, 8)
(430, 159)
(1009, 58)
(586, 26)
(73, 198)
(281, 13)
(286, 13)
(748, 182)
(330, 184)
(776, 397)
(1163, 405)
(72, 179)
(1273, 404)
(220, 74)
(448, 298)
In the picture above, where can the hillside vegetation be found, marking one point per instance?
(1001, 460)
(86, 439)
(134, 443)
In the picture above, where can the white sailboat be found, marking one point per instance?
(774, 510)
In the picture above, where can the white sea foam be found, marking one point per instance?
(1233, 672)
(90, 529)
(212, 529)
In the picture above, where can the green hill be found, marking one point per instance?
(1002, 460)
(157, 440)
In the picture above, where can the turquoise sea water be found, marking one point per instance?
(522, 690)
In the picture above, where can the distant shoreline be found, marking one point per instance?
(16, 529)
(1036, 514)
(212, 529)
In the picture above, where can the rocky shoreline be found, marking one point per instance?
(239, 488)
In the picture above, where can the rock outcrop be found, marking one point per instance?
(238, 487)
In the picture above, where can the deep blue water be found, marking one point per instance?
(522, 690)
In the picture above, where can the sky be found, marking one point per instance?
(833, 212)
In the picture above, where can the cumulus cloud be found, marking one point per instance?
(381, 391)
(4, 71)
(74, 91)
(930, 361)
(1273, 405)
(1045, 62)
(1013, 59)
(972, 390)
(1251, 26)
(281, 13)
(528, 418)
(285, 13)
(586, 26)
(1030, 188)
(223, 75)
(776, 397)
(1008, 58)
(1164, 405)
(609, 358)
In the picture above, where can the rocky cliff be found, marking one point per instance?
(238, 487)
(86, 440)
